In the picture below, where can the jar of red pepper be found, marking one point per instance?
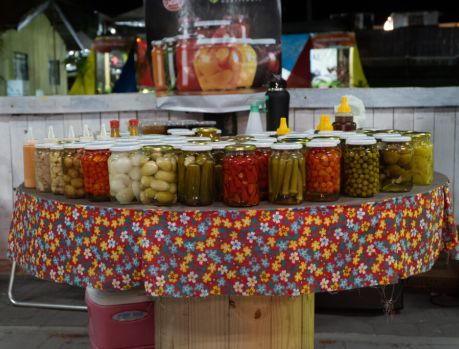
(323, 170)
(95, 170)
(240, 176)
(263, 154)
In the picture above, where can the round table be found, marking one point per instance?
(254, 259)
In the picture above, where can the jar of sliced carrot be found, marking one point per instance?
(323, 170)
(240, 176)
(95, 170)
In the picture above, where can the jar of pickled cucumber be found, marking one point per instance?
(211, 132)
(73, 172)
(158, 175)
(218, 153)
(95, 171)
(124, 172)
(56, 154)
(422, 165)
(42, 168)
(323, 170)
(196, 175)
(361, 167)
(240, 176)
(286, 174)
(396, 158)
(263, 153)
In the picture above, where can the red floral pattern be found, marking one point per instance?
(193, 253)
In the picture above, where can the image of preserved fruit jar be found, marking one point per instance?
(217, 64)
(396, 159)
(423, 158)
(239, 26)
(157, 60)
(240, 176)
(361, 167)
(185, 53)
(286, 174)
(170, 69)
(212, 28)
(263, 153)
(56, 155)
(268, 60)
(248, 62)
(95, 171)
(42, 168)
(124, 172)
(158, 175)
(73, 172)
(323, 170)
(196, 175)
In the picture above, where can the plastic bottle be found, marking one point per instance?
(29, 159)
(344, 120)
(133, 127)
(278, 102)
(51, 136)
(283, 128)
(325, 123)
(103, 136)
(71, 135)
(254, 124)
(87, 135)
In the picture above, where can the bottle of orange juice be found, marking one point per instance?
(29, 159)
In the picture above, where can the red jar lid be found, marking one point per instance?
(114, 123)
(133, 122)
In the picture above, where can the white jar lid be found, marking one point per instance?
(173, 138)
(98, 146)
(382, 135)
(264, 139)
(322, 143)
(180, 132)
(74, 145)
(57, 147)
(400, 139)
(196, 147)
(260, 144)
(153, 136)
(360, 141)
(286, 146)
(330, 133)
(203, 139)
(43, 145)
(125, 147)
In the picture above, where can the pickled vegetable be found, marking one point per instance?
(158, 175)
(361, 167)
(56, 169)
(323, 170)
(286, 174)
(240, 176)
(73, 172)
(95, 170)
(397, 156)
(196, 175)
(42, 169)
(218, 154)
(263, 153)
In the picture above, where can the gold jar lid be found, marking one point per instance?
(240, 147)
(163, 148)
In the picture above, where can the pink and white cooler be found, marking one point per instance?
(120, 320)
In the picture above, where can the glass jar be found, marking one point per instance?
(28, 151)
(42, 168)
(323, 170)
(423, 159)
(396, 164)
(186, 50)
(344, 123)
(286, 174)
(170, 68)
(263, 153)
(218, 64)
(180, 132)
(268, 60)
(157, 58)
(211, 132)
(218, 153)
(240, 176)
(361, 167)
(124, 172)
(158, 175)
(73, 172)
(196, 175)
(56, 155)
(95, 171)
(158, 127)
(380, 135)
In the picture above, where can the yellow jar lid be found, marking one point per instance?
(240, 147)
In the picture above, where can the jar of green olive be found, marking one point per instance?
(396, 158)
(196, 175)
(158, 175)
(422, 166)
(361, 167)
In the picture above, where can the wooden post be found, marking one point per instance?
(235, 323)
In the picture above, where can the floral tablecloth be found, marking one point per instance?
(197, 252)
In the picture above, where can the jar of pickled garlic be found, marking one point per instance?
(268, 60)
(56, 155)
(170, 69)
(158, 175)
(263, 153)
(211, 132)
(196, 179)
(186, 49)
(42, 168)
(217, 64)
(361, 167)
(95, 170)
(157, 58)
(73, 172)
(248, 62)
(240, 176)
(396, 158)
(286, 174)
(323, 170)
(423, 158)
(124, 172)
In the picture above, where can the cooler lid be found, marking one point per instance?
(132, 296)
